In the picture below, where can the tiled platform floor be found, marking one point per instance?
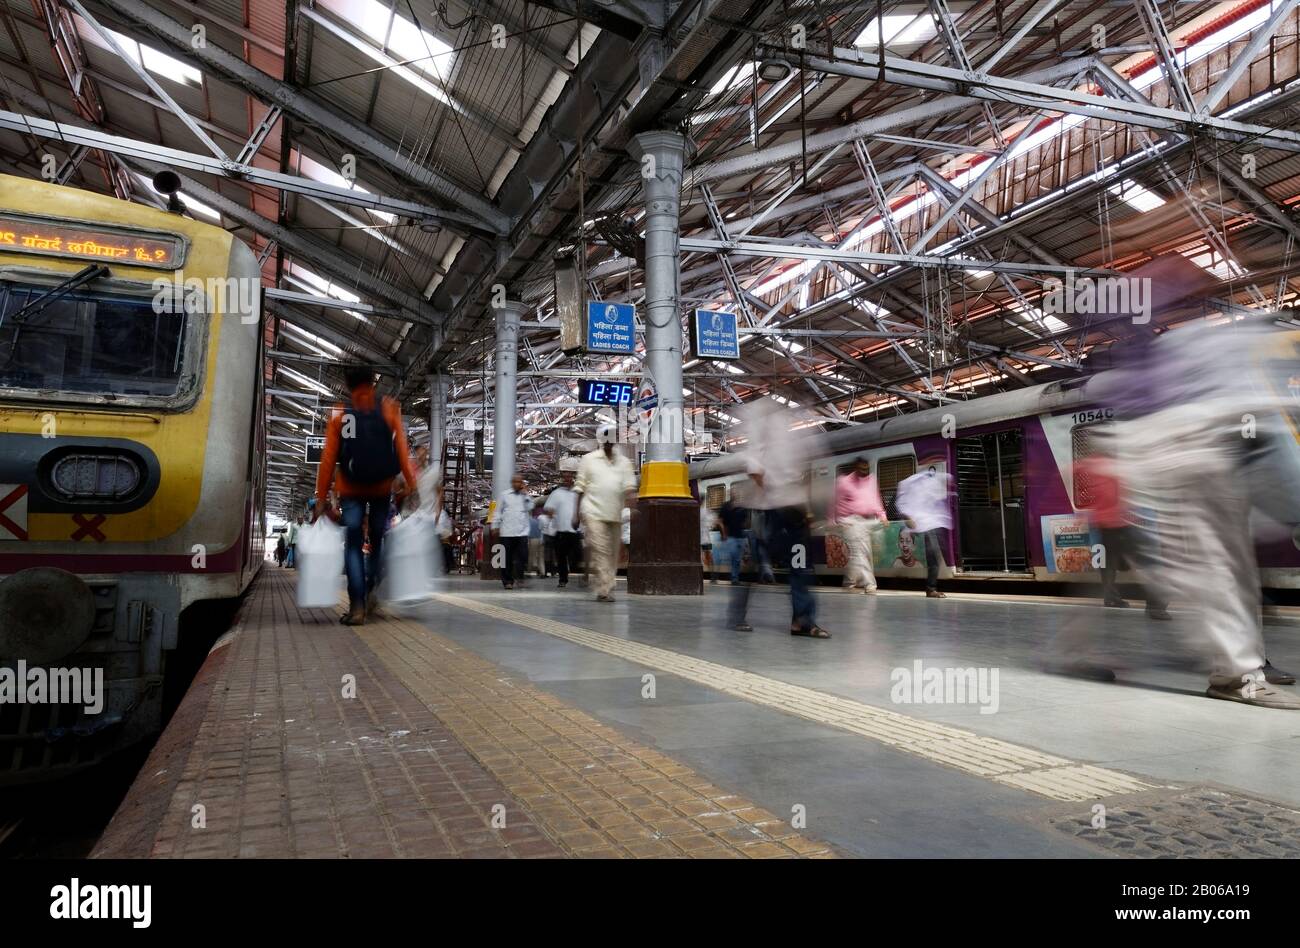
(304, 738)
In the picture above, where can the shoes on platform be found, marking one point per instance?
(1276, 676)
(935, 594)
(1160, 614)
(1115, 603)
(355, 617)
(561, 585)
(603, 598)
(1260, 695)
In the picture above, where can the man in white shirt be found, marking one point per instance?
(512, 517)
(562, 505)
(923, 499)
(605, 485)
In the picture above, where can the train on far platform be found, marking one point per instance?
(1017, 511)
(131, 454)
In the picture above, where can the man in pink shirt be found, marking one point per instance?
(859, 512)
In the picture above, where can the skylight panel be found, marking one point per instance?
(311, 338)
(321, 286)
(158, 63)
(370, 17)
(396, 38)
(1136, 196)
(898, 29)
(1212, 262)
(735, 76)
(304, 380)
(323, 173)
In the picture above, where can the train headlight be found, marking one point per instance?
(96, 476)
(45, 615)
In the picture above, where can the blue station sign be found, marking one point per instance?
(611, 327)
(714, 335)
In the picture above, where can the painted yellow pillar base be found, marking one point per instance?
(664, 479)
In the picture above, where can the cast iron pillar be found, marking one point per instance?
(503, 416)
(665, 555)
(437, 416)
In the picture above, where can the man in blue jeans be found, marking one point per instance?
(365, 449)
(734, 518)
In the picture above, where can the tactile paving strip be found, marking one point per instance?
(1024, 768)
(1199, 823)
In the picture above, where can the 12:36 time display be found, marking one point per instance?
(596, 392)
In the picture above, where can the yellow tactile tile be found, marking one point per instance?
(593, 791)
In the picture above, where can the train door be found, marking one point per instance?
(991, 502)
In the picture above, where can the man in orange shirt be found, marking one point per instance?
(1122, 545)
(365, 449)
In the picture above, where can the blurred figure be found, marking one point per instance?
(1190, 407)
(859, 512)
(562, 507)
(605, 485)
(547, 520)
(732, 518)
(1121, 539)
(758, 549)
(625, 536)
(280, 550)
(513, 524)
(291, 542)
(923, 499)
(536, 560)
(707, 520)
(445, 529)
(777, 445)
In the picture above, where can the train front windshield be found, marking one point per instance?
(90, 344)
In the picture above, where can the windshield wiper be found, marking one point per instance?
(58, 291)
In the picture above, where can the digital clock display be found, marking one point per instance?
(67, 239)
(595, 392)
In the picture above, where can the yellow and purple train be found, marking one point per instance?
(131, 454)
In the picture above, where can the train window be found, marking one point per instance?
(890, 472)
(1084, 443)
(716, 496)
(101, 344)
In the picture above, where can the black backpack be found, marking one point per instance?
(370, 455)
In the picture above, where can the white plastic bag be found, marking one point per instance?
(409, 564)
(320, 564)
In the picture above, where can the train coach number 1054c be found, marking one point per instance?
(1092, 415)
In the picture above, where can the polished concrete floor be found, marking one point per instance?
(865, 793)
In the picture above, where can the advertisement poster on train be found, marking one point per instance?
(1067, 543)
(893, 546)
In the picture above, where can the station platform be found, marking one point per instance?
(540, 723)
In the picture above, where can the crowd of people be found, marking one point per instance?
(1176, 454)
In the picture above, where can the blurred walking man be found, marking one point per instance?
(923, 499)
(605, 485)
(365, 449)
(562, 505)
